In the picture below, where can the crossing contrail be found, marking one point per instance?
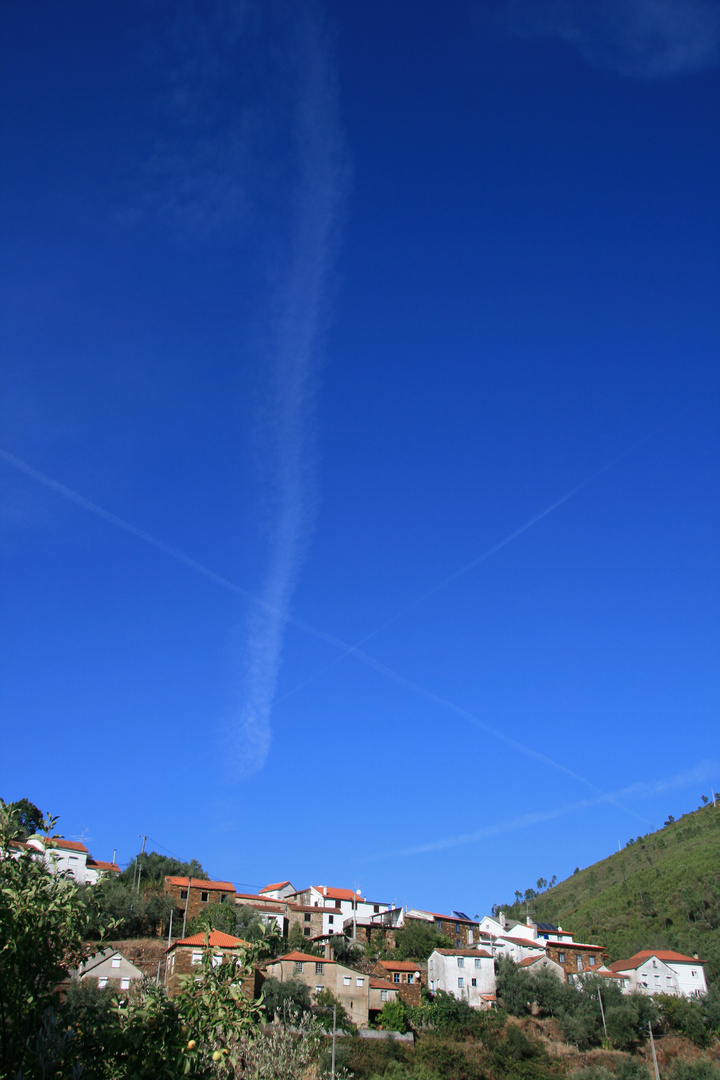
(277, 616)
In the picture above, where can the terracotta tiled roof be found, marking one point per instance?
(399, 965)
(98, 864)
(300, 957)
(216, 940)
(202, 883)
(527, 942)
(667, 955)
(383, 984)
(568, 946)
(61, 842)
(533, 960)
(277, 885)
(337, 894)
(463, 952)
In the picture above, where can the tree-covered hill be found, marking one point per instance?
(661, 891)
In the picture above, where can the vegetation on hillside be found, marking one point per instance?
(661, 891)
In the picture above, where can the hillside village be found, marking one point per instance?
(462, 959)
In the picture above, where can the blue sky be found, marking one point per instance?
(359, 434)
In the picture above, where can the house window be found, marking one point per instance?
(331, 919)
(319, 988)
(461, 983)
(458, 927)
(306, 931)
(102, 981)
(657, 980)
(204, 897)
(458, 942)
(116, 961)
(474, 982)
(376, 909)
(591, 961)
(183, 894)
(307, 916)
(346, 980)
(654, 963)
(410, 979)
(478, 964)
(319, 969)
(196, 958)
(561, 957)
(693, 973)
(360, 982)
(461, 961)
(383, 995)
(579, 963)
(469, 937)
(396, 977)
(125, 984)
(439, 926)
(432, 986)
(298, 967)
(217, 960)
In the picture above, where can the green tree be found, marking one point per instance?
(322, 1010)
(417, 939)
(44, 920)
(393, 1017)
(346, 952)
(153, 868)
(288, 998)
(220, 915)
(27, 819)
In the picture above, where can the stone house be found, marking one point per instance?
(459, 928)
(467, 974)
(109, 968)
(576, 958)
(351, 988)
(192, 895)
(185, 957)
(346, 903)
(407, 977)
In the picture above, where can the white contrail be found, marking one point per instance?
(642, 787)
(287, 445)
(265, 635)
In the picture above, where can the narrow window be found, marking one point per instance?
(396, 977)
(376, 909)
(383, 995)
(183, 894)
(307, 916)
(410, 979)
(478, 964)
(461, 983)
(331, 918)
(474, 982)
(461, 961)
(561, 957)
(204, 897)
(458, 927)
(306, 931)
(458, 942)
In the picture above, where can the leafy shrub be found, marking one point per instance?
(693, 1070)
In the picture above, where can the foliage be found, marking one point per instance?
(154, 868)
(219, 915)
(248, 923)
(322, 1010)
(288, 998)
(132, 914)
(450, 1016)
(417, 939)
(393, 1017)
(685, 1017)
(345, 951)
(693, 1070)
(25, 819)
(660, 891)
(44, 919)
(296, 941)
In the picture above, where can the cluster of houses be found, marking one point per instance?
(465, 969)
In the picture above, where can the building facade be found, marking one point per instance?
(467, 974)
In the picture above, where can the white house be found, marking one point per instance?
(280, 890)
(662, 971)
(467, 974)
(346, 903)
(541, 962)
(109, 968)
(69, 856)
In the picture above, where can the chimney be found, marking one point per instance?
(696, 956)
(501, 919)
(528, 920)
(328, 951)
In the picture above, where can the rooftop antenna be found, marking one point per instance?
(83, 836)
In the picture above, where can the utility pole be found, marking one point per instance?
(332, 1064)
(602, 1012)
(172, 912)
(142, 852)
(652, 1044)
(187, 901)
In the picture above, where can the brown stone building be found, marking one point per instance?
(405, 976)
(194, 894)
(462, 931)
(185, 957)
(575, 958)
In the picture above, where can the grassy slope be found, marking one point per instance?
(662, 891)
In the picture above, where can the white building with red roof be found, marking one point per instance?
(350, 906)
(279, 890)
(467, 974)
(63, 856)
(662, 971)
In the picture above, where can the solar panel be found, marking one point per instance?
(547, 926)
(462, 915)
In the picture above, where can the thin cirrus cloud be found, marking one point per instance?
(642, 788)
(645, 39)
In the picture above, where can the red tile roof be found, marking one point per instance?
(98, 864)
(202, 883)
(337, 894)
(463, 952)
(527, 942)
(667, 955)
(534, 959)
(399, 965)
(299, 957)
(216, 940)
(61, 842)
(383, 984)
(277, 885)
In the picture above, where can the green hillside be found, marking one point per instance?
(661, 891)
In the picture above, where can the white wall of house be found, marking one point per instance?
(656, 976)
(60, 859)
(690, 977)
(464, 975)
